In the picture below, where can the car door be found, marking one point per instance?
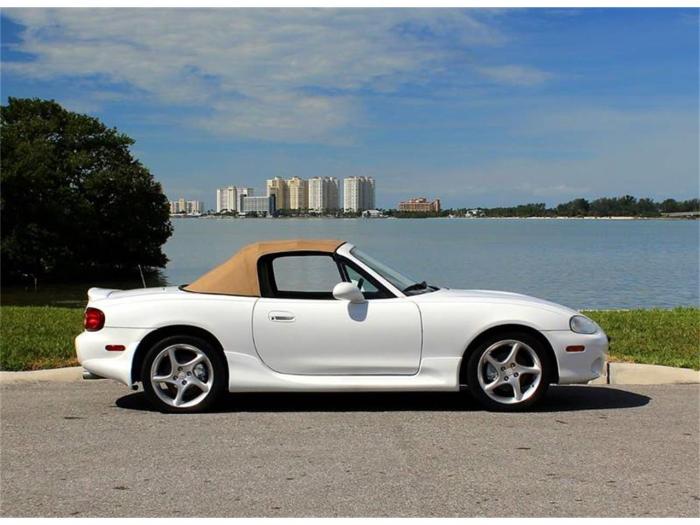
(299, 328)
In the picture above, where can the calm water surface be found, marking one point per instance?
(579, 263)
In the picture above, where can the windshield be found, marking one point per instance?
(399, 280)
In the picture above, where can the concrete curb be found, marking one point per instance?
(68, 374)
(638, 374)
(617, 374)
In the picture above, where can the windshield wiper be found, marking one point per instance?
(417, 286)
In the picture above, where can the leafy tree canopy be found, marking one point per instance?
(74, 201)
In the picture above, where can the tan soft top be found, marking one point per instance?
(239, 275)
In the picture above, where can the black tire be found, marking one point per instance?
(532, 398)
(218, 365)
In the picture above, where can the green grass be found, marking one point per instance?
(655, 337)
(35, 337)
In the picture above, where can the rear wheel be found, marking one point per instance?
(509, 371)
(183, 374)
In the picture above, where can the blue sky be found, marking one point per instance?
(478, 107)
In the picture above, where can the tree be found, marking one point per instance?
(574, 208)
(669, 206)
(647, 208)
(75, 202)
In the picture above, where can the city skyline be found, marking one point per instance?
(316, 194)
(485, 107)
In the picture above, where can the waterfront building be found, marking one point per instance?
(226, 199)
(298, 193)
(420, 204)
(279, 188)
(262, 205)
(358, 194)
(242, 191)
(182, 206)
(229, 198)
(194, 207)
(324, 194)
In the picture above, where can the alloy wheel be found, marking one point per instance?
(509, 371)
(182, 375)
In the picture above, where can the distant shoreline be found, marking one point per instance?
(557, 217)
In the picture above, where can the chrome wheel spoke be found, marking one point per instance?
(513, 353)
(517, 392)
(493, 384)
(180, 392)
(492, 361)
(535, 370)
(204, 387)
(168, 378)
(173, 360)
(198, 359)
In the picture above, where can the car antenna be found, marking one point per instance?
(143, 280)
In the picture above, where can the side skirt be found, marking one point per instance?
(249, 374)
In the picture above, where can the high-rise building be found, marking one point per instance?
(194, 207)
(226, 199)
(241, 192)
(420, 204)
(262, 205)
(278, 187)
(333, 194)
(298, 193)
(229, 198)
(358, 194)
(182, 206)
(323, 194)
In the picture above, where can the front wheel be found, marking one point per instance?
(509, 371)
(183, 374)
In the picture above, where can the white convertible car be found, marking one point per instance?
(319, 316)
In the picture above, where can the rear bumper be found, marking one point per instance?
(96, 360)
(579, 367)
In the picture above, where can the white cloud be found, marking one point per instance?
(515, 75)
(288, 75)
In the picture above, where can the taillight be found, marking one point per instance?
(94, 319)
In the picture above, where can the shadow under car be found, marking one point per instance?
(558, 399)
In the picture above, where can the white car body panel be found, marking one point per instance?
(253, 376)
(319, 337)
(407, 343)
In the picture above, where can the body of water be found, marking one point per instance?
(579, 263)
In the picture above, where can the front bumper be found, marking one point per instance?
(579, 367)
(95, 359)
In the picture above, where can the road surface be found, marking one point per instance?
(95, 449)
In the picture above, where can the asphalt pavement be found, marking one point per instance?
(96, 449)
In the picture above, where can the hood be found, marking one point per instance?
(490, 296)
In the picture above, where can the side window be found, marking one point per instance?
(369, 287)
(361, 282)
(305, 276)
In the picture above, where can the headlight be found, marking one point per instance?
(582, 325)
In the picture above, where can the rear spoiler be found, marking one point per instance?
(95, 294)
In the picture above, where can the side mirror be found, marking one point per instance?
(348, 292)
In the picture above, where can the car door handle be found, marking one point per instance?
(281, 317)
